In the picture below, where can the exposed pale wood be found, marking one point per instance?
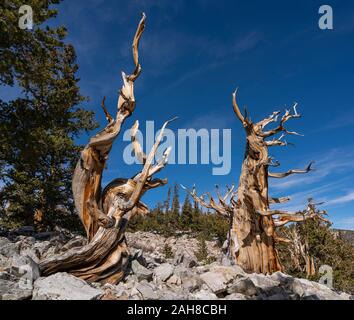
(252, 235)
(289, 172)
(299, 250)
(279, 200)
(106, 214)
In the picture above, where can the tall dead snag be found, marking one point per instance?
(252, 235)
(105, 214)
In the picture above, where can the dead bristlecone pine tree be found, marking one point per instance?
(106, 214)
(252, 234)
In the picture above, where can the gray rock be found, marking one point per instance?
(63, 286)
(305, 288)
(146, 291)
(135, 294)
(216, 281)
(42, 247)
(5, 263)
(26, 248)
(163, 272)
(32, 253)
(225, 260)
(25, 264)
(230, 272)
(264, 282)
(185, 257)
(174, 280)
(8, 248)
(172, 295)
(11, 290)
(235, 296)
(204, 295)
(244, 286)
(17, 282)
(23, 269)
(201, 269)
(190, 281)
(281, 278)
(140, 271)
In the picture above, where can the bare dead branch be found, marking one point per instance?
(135, 46)
(229, 192)
(138, 151)
(278, 141)
(160, 163)
(285, 217)
(106, 113)
(279, 200)
(281, 127)
(272, 163)
(272, 118)
(289, 172)
(222, 208)
(237, 109)
(281, 239)
(140, 179)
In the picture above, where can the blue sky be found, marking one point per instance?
(194, 54)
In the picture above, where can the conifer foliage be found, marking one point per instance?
(38, 127)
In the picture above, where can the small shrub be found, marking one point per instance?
(167, 251)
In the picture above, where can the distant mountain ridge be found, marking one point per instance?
(345, 234)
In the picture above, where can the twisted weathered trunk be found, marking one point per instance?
(106, 214)
(252, 235)
(255, 250)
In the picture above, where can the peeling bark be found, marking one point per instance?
(252, 235)
(106, 214)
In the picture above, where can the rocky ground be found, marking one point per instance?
(151, 275)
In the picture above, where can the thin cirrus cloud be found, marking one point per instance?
(167, 47)
(343, 120)
(331, 183)
(342, 199)
(218, 54)
(334, 161)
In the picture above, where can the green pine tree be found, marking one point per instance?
(37, 129)
(167, 202)
(187, 214)
(175, 217)
(326, 247)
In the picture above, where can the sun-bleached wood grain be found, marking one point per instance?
(252, 234)
(106, 214)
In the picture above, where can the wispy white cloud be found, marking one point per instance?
(343, 120)
(219, 53)
(330, 181)
(342, 199)
(334, 161)
(320, 193)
